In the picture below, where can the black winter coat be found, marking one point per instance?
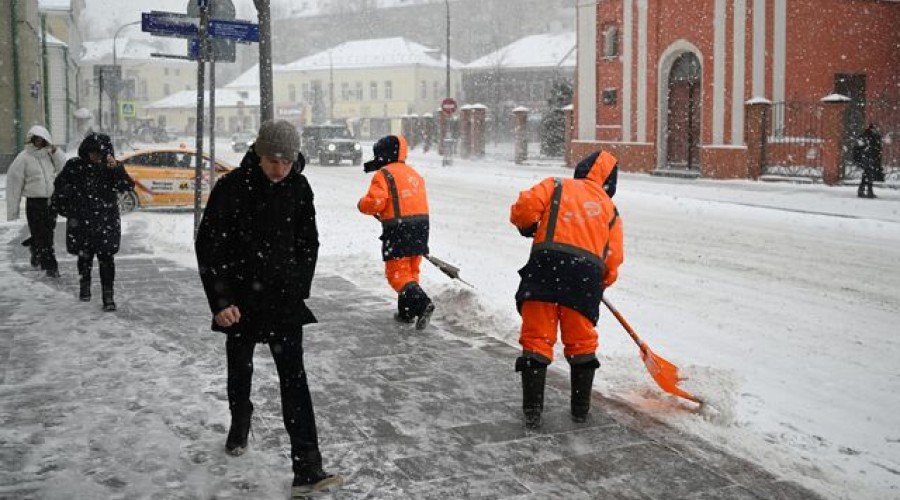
(257, 247)
(87, 195)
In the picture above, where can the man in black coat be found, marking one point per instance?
(86, 192)
(867, 155)
(257, 247)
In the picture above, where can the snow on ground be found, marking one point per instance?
(778, 301)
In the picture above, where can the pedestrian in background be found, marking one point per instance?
(576, 255)
(257, 247)
(86, 193)
(867, 155)
(31, 175)
(397, 198)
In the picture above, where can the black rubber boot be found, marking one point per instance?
(84, 288)
(534, 375)
(236, 442)
(582, 377)
(109, 304)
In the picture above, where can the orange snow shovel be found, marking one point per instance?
(663, 372)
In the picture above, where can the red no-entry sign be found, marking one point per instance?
(448, 105)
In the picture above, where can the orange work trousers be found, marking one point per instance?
(401, 271)
(540, 321)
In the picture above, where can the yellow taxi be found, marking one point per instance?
(165, 178)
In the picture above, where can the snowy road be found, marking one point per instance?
(779, 301)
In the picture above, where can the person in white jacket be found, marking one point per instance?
(31, 175)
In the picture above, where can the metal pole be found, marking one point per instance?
(212, 122)
(17, 85)
(100, 103)
(46, 70)
(330, 87)
(448, 47)
(266, 111)
(201, 88)
(118, 84)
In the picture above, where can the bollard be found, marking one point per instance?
(520, 129)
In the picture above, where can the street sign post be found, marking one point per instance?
(172, 24)
(448, 105)
(239, 31)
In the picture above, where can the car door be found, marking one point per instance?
(152, 177)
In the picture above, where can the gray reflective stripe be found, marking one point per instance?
(569, 249)
(554, 210)
(395, 197)
(403, 220)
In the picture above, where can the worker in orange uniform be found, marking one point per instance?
(576, 254)
(397, 198)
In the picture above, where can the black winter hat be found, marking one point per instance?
(387, 150)
(96, 143)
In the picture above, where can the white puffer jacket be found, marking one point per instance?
(32, 173)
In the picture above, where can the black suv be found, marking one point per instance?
(330, 144)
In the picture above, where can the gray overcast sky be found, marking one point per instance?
(102, 17)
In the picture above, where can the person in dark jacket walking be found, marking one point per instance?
(86, 193)
(31, 176)
(576, 255)
(257, 247)
(397, 198)
(867, 155)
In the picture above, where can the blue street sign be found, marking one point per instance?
(169, 24)
(240, 31)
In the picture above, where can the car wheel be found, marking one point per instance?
(357, 160)
(323, 159)
(128, 202)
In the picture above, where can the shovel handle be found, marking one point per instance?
(623, 322)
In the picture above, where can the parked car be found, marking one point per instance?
(330, 144)
(165, 178)
(241, 141)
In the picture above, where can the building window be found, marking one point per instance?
(292, 92)
(166, 90)
(304, 91)
(373, 91)
(388, 90)
(611, 42)
(423, 89)
(359, 91)
(345, 91)
(177, 71)
(436, 89)
(166, 71)
(143, 90)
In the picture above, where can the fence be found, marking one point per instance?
(793, 140)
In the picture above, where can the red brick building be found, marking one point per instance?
(670, 85)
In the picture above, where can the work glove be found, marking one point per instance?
(529, 231)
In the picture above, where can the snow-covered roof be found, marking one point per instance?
(55, 4)
(372, 53)
(188, 99)
(308, 8)
(249, 79)
(135, 48)
(548, 50)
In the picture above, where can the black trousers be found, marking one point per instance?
(107, 268)
(865, 183)
(296, 403)
(42, 224)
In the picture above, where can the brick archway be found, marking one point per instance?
(667, 61)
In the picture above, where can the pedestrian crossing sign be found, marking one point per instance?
(128, 109)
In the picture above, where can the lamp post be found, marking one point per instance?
(447, 2)
(330, 88)
(117, 85)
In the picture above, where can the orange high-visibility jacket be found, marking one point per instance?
(578, 243)
(397, 197)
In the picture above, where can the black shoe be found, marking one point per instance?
(582, 379)
(534, 375)
(425, 317)
(84, 290)
(305, 486)
(35, 262)
(109, 304)
(52, 273)
(236, 442)
(399, 318)
(532, 420)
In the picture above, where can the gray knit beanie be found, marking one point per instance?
(278, 138)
